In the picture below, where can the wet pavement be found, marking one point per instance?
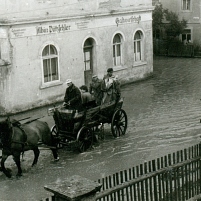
(163, 117)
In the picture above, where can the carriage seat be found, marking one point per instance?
(89, 105)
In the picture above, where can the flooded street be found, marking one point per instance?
(163, 117)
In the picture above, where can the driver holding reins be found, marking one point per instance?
(72, 98)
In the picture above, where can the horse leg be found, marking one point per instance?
(16, 158)
(36, 155)
(55, 154)
(6, 172)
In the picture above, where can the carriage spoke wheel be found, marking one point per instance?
(55, 134)
(84, 139)
(119, 123)
(54, 131)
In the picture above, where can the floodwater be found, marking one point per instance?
(163, 117)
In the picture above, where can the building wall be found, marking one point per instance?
(17, 10)
(192, 16)
(22, 43)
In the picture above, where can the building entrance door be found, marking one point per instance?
(88, 61)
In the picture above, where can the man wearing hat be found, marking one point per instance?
(110, 87)
(72, 98)
(109, 73)
(95, 89)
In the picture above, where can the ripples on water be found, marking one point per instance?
(165, 110)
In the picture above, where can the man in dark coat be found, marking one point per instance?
(95, 89)
(72, 97)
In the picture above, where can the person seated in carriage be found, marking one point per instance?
(110, 87)
(95, 89)
(86, 96)
(72, 98)
(87, 99)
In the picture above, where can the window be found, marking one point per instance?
(88, 47)
(117, 60)
(186, 4)
(138, 46)
(186, 36)
(89, 57)
(50, 64)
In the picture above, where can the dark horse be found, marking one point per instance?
(17, 138)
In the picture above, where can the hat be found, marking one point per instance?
(94, 76)
(68, 81)
(110, 70)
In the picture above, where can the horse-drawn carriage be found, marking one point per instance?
(81, 127)
(16, 137)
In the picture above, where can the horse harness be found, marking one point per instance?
(17, 124)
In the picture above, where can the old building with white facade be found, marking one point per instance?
(45, 42)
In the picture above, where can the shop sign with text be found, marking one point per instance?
(52, 29)
(132, 19)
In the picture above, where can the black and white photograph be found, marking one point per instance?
(100, 100)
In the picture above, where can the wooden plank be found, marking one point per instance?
(162, 177)
(142, 183)
(117, 182)
(151, 189)
(130, 174)
(175, 184)
(114, 180)
(186, 181)
(134, 185)
(193, 173)
(131, 193)
(155, 181)
(190, 172)
(138, 183)
(159, 181)
(146, 182)
(170, 176)
(182, 181)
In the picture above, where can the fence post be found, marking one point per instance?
(74, 188)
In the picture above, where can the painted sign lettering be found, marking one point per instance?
(132, 19)
(52, 29)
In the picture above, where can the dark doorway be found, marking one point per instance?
(88, 60)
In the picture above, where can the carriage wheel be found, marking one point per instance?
(55, 134)
(119, 123)
(84, 139)
(54, 130)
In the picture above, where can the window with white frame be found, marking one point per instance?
(50, 64)
(186, 5)
(138, 46)
(117, 46)
(186, 36)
